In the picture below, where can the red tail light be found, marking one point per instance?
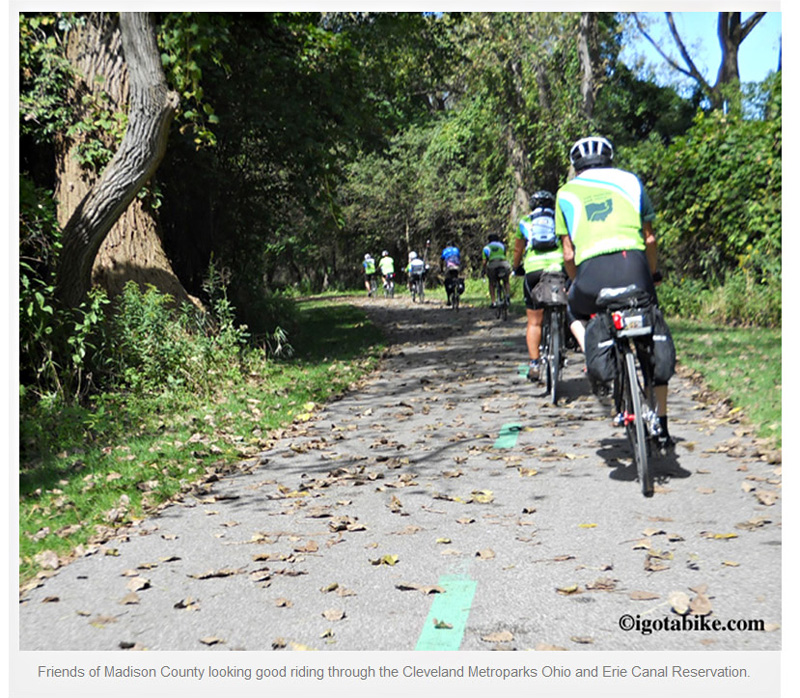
(618, 323)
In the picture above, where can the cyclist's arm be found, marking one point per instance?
(519, 250)
(650, 246)
(569, 256)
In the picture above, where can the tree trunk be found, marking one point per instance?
(585, 51)
(110, 236)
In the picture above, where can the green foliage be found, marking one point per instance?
(45, 75)
(718, 192)
(58, 347)
(155, 348)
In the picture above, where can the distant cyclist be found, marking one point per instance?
(415, 269)
(605, 222)
(450, 264)
(537, 249)
(369, 272)
(494, 260)
(386, 265)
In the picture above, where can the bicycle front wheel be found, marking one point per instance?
(635, 426)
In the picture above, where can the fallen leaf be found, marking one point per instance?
(485, 554)
(211, 574)
(138, 583)
(482, 496)
(53, 599)
(569, 590)
(527, 472)
(643, 596)
(441, 625)
(310, 547)
(700, 605)
(542, 647)
(602, 584)
(582, 640)
(188, 604)
(333, 614)
(766, 497)
(409, 586)
(679, 602)
(730, 563)
(283, 603)
(211, 640)
(587, 525)
(719, 536)
(130, 599)
(649, 532)
(501, 636)
(390, 560)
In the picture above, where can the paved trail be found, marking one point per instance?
(447, 472)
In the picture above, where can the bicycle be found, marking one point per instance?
(457, 290)
(418, 288)
(388, 286)
(372, 286)
(627, 310)
(503, 303)
(551, 293)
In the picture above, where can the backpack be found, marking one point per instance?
(540, 230)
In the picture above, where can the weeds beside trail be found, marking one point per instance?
(87, 470)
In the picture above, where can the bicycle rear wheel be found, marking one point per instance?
(554, 356)
(635, 426)
(421, 290)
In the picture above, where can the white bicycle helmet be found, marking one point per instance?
(412, 255)
(367, 256)
(384, 254)
(593, 151)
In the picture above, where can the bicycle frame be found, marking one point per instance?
(633, 394)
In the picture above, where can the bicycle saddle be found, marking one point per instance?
(616, 297)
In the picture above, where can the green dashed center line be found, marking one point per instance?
(508, 436)
(522, 369)
(448, 609)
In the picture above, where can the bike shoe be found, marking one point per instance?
(619, 420)
(533, 372)
(665, 443)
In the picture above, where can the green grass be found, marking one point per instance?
(127, 454)
(742, 364)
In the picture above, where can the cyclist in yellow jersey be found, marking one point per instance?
(538, 249)
(604, 220)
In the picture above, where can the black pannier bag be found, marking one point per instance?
(663, 349)
(599, 349)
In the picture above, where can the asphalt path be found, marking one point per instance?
(445, 504)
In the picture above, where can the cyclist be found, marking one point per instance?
(450, 264)
(415, 269)
(537, 249)
(369, 272)
(494, 259)
(386, 265)
(604, 220)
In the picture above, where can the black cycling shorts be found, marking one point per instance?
(531, 279)
(617, 269)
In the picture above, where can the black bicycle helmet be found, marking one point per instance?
(543, 199)
(494, 237)
(593, 151)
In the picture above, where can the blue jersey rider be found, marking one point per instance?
(450, 264)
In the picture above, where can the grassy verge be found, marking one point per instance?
(741, 364)
(94, 470)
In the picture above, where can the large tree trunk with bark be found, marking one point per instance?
(110, 235)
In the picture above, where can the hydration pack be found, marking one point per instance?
(539, 228)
